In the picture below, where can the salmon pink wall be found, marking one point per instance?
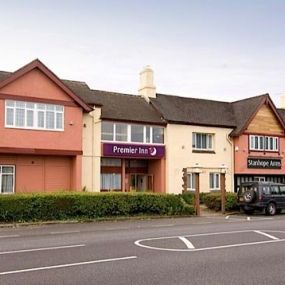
(35, 84)
(69, 139)
(44, 173)
(157, 167)
(242, 152)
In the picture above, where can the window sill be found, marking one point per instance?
(203, 151)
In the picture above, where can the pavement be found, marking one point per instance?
(214, 250)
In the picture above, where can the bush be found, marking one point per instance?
(62, 206)
(213, 201)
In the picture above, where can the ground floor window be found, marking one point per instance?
(214, 181)
(7, 178)
(191, 185)
(111, 181)
(249, 178)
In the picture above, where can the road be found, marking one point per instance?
(206, 250)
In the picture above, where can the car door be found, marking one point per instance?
(282, 195)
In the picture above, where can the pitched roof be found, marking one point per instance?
(7, 77)
(244, 111)
(123, 107)
(184, 110)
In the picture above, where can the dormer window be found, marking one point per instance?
(30, 115)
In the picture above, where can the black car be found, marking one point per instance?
(261, 196)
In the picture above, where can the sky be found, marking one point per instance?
(223, 50)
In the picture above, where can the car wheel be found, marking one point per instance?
(249, 196)
(270, 209)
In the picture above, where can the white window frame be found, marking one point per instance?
(36, 110)
(1, 173)
(209, 138)
(129, 134)
(216, 187)
(191, 182)
(271, 142)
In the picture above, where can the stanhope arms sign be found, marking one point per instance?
(266, 163)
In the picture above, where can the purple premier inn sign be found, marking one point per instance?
(131, 150)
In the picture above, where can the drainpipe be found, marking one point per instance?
(232, 162)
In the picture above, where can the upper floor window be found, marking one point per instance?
(133, 133)
(201, 141)
(28, 115)
(263, 143)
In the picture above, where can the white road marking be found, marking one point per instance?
(227, 217)
(248, 218)
(66, 232)
(67, 265)
(187, 242)
(273, 239)
(41, 249)
(211, 248)
(9, 236)
(161, 226)
(267, 235)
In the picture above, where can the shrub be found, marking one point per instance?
(213, 201)
(74, 205)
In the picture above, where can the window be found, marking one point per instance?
(107, 131)
(263, 143)
(274, 189)
(111, 162)
(214, 181)
(202, 141)
(27, 115)
(121, 132)
(7, 178)
(282, 190)
(110, 181)
(191, 185)
(157, 134)
(137, 132)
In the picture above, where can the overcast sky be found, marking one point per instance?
(220, 49)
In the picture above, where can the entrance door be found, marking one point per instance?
(141, 182)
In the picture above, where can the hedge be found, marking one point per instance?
(213, 201)
(63, 206)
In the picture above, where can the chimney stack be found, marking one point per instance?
(147, 88)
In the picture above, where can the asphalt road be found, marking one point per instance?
(207, 250)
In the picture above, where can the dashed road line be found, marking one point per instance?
(10, 236)
(161, 226)
(64, 232)
(67, 265)
(42, 249)
(187, 242)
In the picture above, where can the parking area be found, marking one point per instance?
(211, 241)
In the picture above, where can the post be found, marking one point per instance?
(223, 192)
(197, 195)
(123, 173)
(184, 178)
